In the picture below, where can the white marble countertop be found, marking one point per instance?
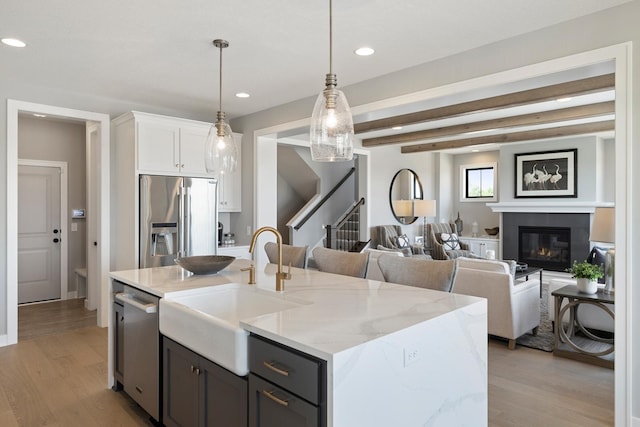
(336, 312)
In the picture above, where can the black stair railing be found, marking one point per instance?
(323, 200)
(345, 233)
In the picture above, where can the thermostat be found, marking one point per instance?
(78, 213)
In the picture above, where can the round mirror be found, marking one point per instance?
(405, 188)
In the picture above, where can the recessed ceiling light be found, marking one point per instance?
(396, 127)
(39, 115)
(13, 42)
(364, 51)
(242, 95)
(565, 99)
(475, 150)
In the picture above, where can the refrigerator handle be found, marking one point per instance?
(187, 220)
(181, 245)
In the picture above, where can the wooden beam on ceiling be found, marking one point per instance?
(543, 117)
(531, 96)
(529, 135)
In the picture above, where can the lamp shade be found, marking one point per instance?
(331, 128)
(603, 226)
(424, 208)
(221, 153)
(403, 208)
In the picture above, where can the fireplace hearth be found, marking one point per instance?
(548, 240)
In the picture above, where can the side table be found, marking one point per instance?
(529, 271)
(573, 340)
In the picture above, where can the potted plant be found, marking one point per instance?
(586, 275)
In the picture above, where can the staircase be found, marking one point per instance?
(345, 234)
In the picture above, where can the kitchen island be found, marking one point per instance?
(394, 355)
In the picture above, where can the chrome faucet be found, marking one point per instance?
(280, 275)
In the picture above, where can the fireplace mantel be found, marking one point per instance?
(547, 206)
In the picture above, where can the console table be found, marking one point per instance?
(573, 340)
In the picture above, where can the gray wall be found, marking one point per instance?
(43, 139)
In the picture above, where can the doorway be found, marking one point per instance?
(97, 222)
(42, 242)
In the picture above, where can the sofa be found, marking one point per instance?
(513, 308)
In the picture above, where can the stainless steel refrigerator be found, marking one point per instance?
(178, 217)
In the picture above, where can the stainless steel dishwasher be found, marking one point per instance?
(141, 349)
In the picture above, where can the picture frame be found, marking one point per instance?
(546, 174)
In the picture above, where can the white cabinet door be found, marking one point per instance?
(230, 190)
(158, 147)
(192, 141)
(480, 246)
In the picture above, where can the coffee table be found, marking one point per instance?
(527, 272)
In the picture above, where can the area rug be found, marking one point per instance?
(544, 340)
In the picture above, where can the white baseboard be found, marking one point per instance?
(72, 295)
(635, 422)
(4, 340)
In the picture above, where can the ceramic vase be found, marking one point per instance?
(587, 286)
(459, 224)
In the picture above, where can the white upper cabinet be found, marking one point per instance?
(158, 147)
(192, 140)
(169, 146)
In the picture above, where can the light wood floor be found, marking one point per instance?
(59, 379)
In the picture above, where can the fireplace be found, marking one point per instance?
(551, 240)
(546, 247)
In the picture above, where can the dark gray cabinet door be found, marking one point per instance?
(180, 386)
(223, 396)
(197, 392)
(118, 341)
(271, 406)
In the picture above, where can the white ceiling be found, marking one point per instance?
(159, 52)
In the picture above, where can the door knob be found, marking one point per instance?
(56, 240)
(95, 243)
(55, 231)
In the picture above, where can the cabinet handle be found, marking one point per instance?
(276, 399)
(177, 165)
(197, 371)
(272, 366)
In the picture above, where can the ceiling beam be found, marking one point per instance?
(529, 135)
(546, 93)
(543, 117)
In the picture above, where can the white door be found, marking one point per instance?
(39, 233)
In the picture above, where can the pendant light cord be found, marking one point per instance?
(330, 36)
(220, 92)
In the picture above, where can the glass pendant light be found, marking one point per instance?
(331, 122)
(220, 151)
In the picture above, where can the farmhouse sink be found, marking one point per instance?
(207, 321)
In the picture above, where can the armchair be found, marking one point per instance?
(385, 237)
(513, 308)
(434, 242)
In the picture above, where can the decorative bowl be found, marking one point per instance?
(205, 264)
(492, 231)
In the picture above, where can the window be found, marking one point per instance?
(478, 182)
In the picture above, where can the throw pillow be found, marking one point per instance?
(402, 241)
(450, 241)
(405, 251)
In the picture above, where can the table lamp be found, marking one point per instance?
(603, 230)
(424, 208)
